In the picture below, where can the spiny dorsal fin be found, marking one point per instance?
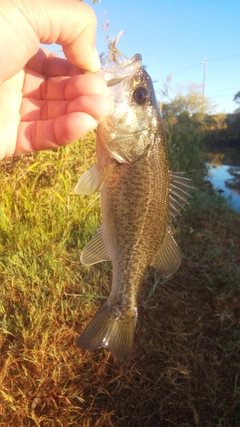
(178, 193)
(95, 251)
(168, 258)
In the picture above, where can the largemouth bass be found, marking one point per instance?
(140, 196)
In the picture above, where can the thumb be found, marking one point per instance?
(69, 23)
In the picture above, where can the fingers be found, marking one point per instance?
(56, 110)
(10, 103)
(24, 24)
(89, 58)
(71, 24)
(60, 110)
(41, 135)
(38, 87)
(48, 64)
(98, 106)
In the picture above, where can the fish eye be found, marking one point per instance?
(140, 95)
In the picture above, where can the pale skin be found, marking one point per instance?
(47, 101)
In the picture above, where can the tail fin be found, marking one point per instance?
(111, 330)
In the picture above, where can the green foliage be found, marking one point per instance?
(185, 146)
(237, 100)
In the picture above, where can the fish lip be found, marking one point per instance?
(120, 72)
(137, 57)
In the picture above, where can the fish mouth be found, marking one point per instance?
(117, 77)
(120, 72)
(127, 133)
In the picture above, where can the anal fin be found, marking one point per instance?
(167, 259)
(95, 251)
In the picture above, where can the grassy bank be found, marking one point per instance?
(185, 365)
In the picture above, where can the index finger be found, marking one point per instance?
(50, 65)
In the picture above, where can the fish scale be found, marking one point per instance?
(136, 234)
(139, 198)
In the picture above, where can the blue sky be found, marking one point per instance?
(174, 37)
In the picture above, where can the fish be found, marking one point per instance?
(140, 198)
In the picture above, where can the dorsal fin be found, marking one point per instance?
(178, 193)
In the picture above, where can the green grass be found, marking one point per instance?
(185, 365)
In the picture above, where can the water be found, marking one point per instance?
(225, 178)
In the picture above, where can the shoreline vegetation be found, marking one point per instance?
(185, 366)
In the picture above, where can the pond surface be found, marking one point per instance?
(224, 174)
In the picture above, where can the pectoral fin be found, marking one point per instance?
(92, 180)
(168, 258)
(95, 251)
(89, 182)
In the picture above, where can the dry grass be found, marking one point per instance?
(186, 361)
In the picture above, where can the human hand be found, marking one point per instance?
(47, 101)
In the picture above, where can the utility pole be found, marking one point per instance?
(204, 81)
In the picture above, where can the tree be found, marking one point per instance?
(186, 99)
(237, 100)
